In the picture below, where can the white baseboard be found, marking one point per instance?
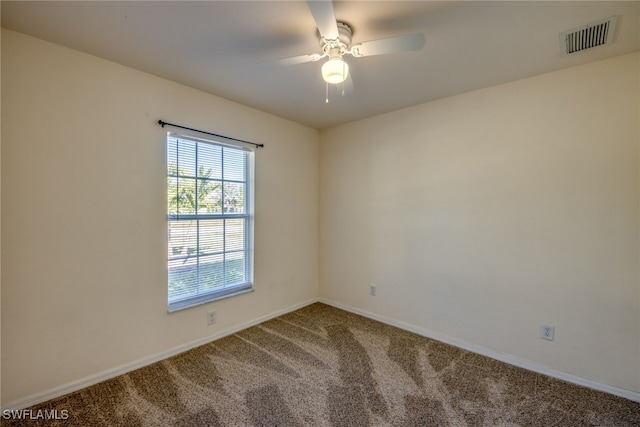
(515, 361)
(120, 370)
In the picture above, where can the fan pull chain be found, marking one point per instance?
(326, 93)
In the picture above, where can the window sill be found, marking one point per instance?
(204, 299)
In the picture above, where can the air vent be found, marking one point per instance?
(589, 36)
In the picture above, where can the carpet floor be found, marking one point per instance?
(321, 366)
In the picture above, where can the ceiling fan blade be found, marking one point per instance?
(348, 87)
(342, 89)
(292, 60)
(406, 43)
(322, 11)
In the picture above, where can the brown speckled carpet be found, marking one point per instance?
(321, 366)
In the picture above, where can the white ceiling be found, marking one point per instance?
(217, 46)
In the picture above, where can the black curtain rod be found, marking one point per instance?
(163, 124)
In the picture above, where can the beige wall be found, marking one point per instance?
(84, 215)
(482, 216)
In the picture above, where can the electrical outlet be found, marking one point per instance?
(211, 317)
(372, 290)
(547, 332)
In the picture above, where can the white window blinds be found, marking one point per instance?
(209, 221)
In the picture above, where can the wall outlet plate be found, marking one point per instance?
(547, 332)
(372, 290)
(211, 317)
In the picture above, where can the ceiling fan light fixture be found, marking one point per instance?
(335, 70)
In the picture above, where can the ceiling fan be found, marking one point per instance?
(335, 42)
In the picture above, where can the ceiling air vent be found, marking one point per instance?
(588, 36)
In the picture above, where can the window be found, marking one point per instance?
(209, 194)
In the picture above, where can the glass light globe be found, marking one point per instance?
(335, 71)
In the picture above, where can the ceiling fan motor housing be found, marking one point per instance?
(343, 42)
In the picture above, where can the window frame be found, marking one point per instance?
(225, 290)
